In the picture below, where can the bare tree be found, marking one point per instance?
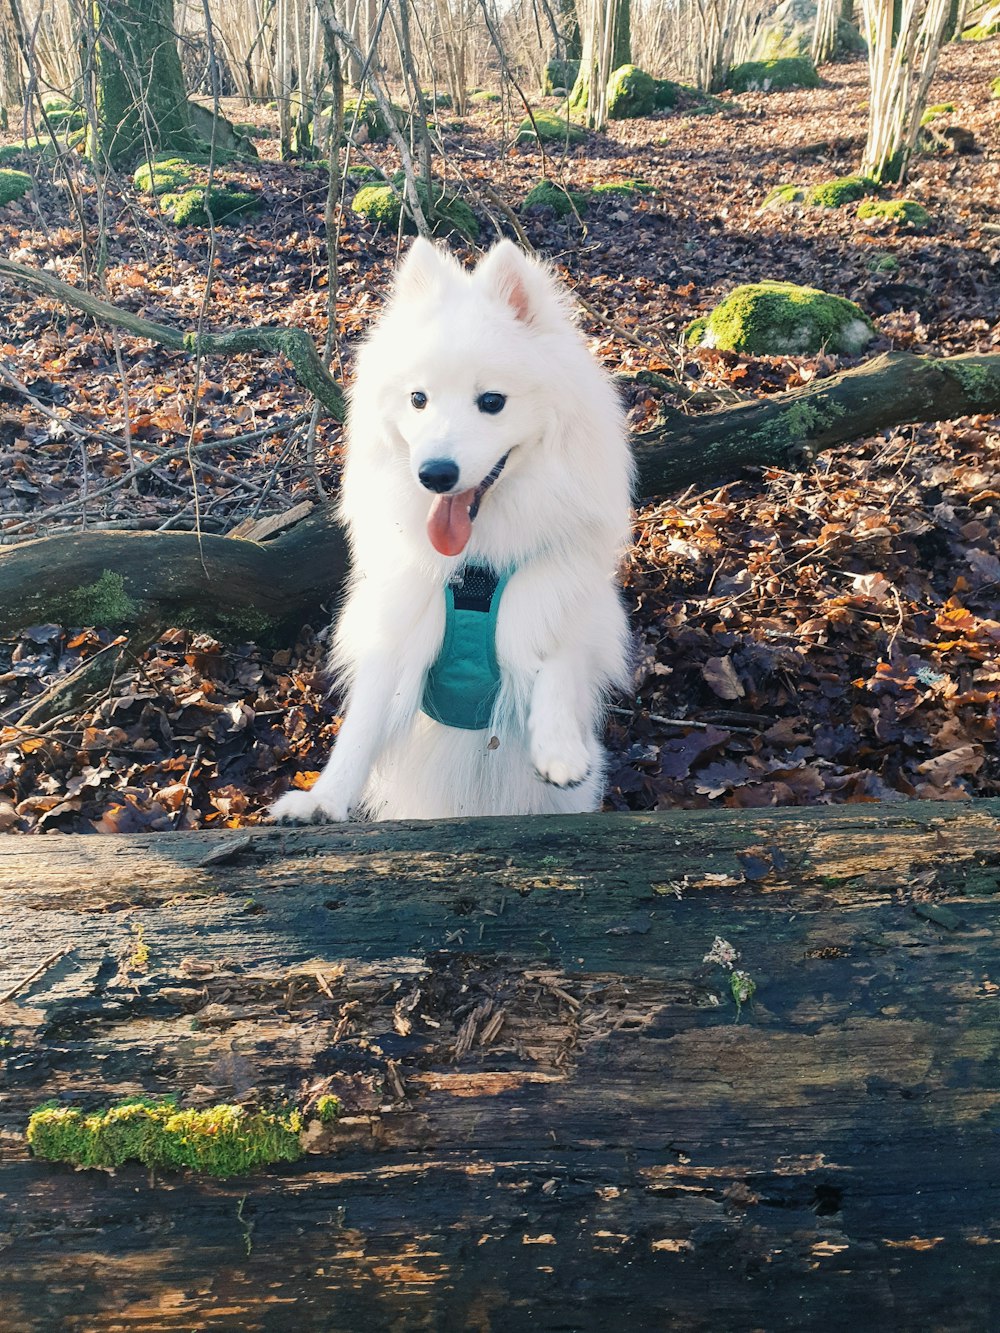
(904, 41)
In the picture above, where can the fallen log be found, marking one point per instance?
(555, 1112)
(264, 590)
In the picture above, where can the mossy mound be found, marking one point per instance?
(546, 194)
(550, 128)
(221, 1140)
(13, 185)
(196, 207)
(770, 76)
(369, 115)
(438, 101)
(666, 94)
(559, 76)
(383, 205)
(778, 318)
(64, 115)
(784, 195)
(936, 112)
(483, 97)
(837, 193)
(362, 174)
(625, 189)
(166, 173)
(631, 93)
(903, 212)
(883, 264)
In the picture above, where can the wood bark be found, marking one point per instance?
(264, 590)
(555, 1114)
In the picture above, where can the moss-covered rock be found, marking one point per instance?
(166, 173)
(937, 111)
(383, 205)
(784, 195)
(368, 115)
(623, 189)
(483, 97)
(194, 208)
(559, 76)
(64, 115)
(778, 318)
(837, 193)
(770, 76)
(903, 212)
(631, 93)
(550, 128)
(883, 264)
(13, 185)
(364, 175)
(666, 94)
(547, 194)
(438, 101)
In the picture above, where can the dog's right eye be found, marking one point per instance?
(419, 400)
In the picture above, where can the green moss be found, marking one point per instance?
(382, 205)
(558, 75)
(369, 115)
(883, 264)
(438, 101)
(934, 112)
(221, 1140)
(695, 331)
(843, 190)
(625, 188)
(13, 185)
(103, 602)
(903, 212)
(546, 194)
(995, 87)
(63, 115)
(363, 175)
(782, 195)
(666, 94)
(770, 76)
(774, 318)
(631, 93)
(982, 32)
(193, 207)
(981, 385)
(550, 128)
(484, 97)
(166, 173)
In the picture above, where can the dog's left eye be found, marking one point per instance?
(491, 402)
(418, 400)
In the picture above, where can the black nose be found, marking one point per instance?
(438, 474)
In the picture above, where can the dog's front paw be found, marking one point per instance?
(566, 766)
(305, 807)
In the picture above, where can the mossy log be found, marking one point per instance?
(554, 1113)
(261, 590)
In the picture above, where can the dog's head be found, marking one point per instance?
(464, 376)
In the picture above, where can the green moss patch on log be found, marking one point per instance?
(103, 602)
(977, 381)
(779, 318)
(563, 202)
(548, 127)
(769, 76)
(13, 185)
(902, 212)
(843, 190)
(221, 1140)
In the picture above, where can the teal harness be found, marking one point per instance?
(464, 681)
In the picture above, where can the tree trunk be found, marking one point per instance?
(141, 99)
(555, 1114)
(240, 587)
(607, 45)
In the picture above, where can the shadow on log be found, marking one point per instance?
(555, 1115)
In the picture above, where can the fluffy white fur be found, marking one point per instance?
(558, 514)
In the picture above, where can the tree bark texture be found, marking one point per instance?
(555, 1115)
(263, 590)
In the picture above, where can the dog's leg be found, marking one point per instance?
(560, 722)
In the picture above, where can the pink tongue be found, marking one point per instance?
(448, 523)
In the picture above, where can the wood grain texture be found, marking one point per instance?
(555, 1116)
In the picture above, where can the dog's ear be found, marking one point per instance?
(519, 283)
(423, 270)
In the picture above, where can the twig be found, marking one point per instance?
(39, 971)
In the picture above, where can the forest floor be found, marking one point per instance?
(829, 634)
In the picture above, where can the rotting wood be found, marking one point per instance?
(552, 1116)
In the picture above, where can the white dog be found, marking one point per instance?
(486, 492)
